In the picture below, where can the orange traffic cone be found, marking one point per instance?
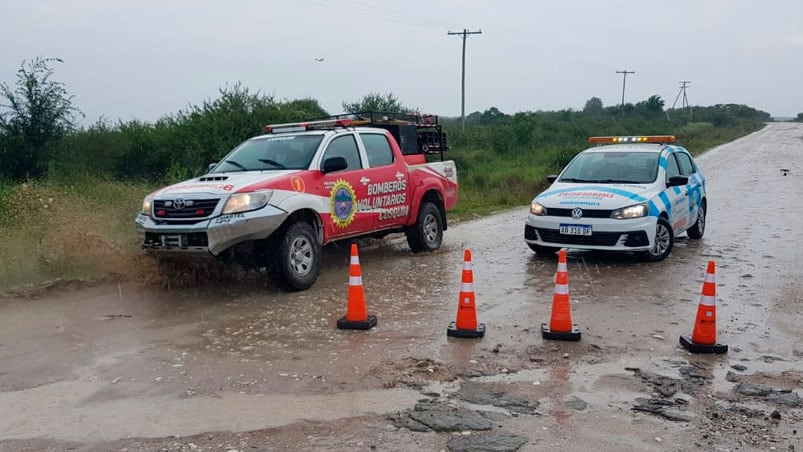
(466, 324)
(560, 325)
(704, 336)
(356, 317)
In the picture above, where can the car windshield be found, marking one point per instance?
(279, 152)
(612, 168)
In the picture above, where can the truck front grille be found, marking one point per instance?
(181, 209)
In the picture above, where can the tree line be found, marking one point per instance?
(39, 136)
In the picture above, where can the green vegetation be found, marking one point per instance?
(68, 197)
(38, 112)
(503, 160)
(375, 102)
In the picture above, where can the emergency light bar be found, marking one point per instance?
(309, 125)
(641, 139)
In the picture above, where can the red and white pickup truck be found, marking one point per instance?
(277, 198)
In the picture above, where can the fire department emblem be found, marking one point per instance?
(342, 203)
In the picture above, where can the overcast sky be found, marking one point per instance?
(143, 59)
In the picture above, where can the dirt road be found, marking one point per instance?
(233, 365)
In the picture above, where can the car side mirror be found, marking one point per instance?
(552, 178)
(212, 166)
(333, 164)
(676, 181)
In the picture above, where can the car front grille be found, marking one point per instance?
(631, 239)
(597, 238)
(587, 213)
(183, 209)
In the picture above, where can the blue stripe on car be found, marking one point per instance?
(654, 211)
(667, 204)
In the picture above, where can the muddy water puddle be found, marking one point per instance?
(60, 411)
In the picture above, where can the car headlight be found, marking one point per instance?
(634, 211)
(244, 202)
(147, 205)
(537, 209)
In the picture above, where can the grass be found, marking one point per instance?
(75, 229)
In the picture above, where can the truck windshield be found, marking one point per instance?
(266, 153)
(612, 168)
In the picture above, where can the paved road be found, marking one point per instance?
(236, 365)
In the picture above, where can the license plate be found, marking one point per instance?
(575, 229)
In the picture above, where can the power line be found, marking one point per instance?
(624, 79)
(465, 34)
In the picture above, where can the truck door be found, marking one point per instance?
(346, 190)
(387, 181)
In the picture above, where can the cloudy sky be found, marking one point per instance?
(143, 59)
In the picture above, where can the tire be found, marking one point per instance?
(296, 260)
(427, 232)
(697, 230)
(662, 243)
(543, 250)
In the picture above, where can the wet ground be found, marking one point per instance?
(239, 365)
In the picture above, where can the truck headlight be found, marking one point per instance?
(147, 205)
(537, 209)
(634, 211)
(244, 202)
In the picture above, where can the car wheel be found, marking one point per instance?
(297, 257)
(662, 244)
(543, 250)
(427, 232)
(698, 228)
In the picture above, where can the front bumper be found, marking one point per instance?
(211, 236)
(637, 234)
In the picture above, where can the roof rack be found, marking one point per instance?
(416, 133)
(308, 125)
(394, 117)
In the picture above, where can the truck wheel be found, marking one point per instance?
(662, 245)
(296, 261)
(427, 232)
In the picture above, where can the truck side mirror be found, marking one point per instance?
(333, 164)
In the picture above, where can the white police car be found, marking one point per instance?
(625, 194)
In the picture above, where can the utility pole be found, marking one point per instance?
(685, 103)
(465, 34)
(624, 79)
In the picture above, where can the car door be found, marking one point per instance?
(347, 192)
(387, 182)
(676, 198)
(693, 188)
